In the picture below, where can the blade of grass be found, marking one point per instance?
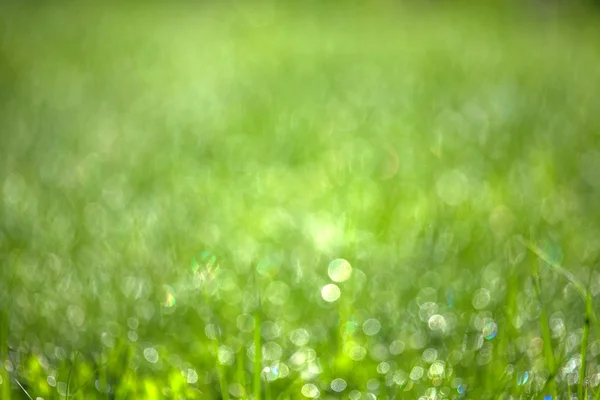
(23, 389)
(579, 287)
(220, 368)
(292, 386)
(222, 374)
(95, 373)
(209, 269)
(71, 373)
(545, 329)
(590, 315)
(267, 391)
(257, 369)
(584, 342)
(4, 332)
(257, 358)
(241, 373)
(103, 377)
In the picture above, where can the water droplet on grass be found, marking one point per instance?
(429, 355)
(132, 323)
(383, 368)
(169, 299)
(211, 331)
(339, 270)
(338, 385)
(373, 384)
(236, 390)
(311, 391)
(397, 347)
(132, 335)
(192, 376)
(416, 373)
(437, 323)
(107, 339)
(299, 337)
(357, 353)
(490, 330)
(330, 293)
(400, 377)
(371, 327)
(151, 355)
(225, 355)
(523, 378)
(437, 368)
(481, 298)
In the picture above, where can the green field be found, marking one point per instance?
(360, 200)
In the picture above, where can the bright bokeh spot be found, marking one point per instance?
(151, 355)
(330, 293)
(338, 385)
(371, 327)
(490, 330)
(339, 270)
(310, 390)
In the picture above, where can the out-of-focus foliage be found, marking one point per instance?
(200, 201)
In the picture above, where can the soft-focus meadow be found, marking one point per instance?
(334, 201)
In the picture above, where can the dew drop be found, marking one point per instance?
(299, 337)
(397, 347)
(437, 323)
(169, 297)
(338, 385)
(132, 335)
(383, 368)
(192, 376)
(151, 355)
(429, 355)
(357, 353)
(330, 293)
(311, 391)
(490, 330)
(437, 368)
(481, 298)
(416, 373)
(339, 270)
(225, 355)
(371, 327)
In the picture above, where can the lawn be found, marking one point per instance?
(256, 200)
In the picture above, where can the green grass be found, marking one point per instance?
(176, 181)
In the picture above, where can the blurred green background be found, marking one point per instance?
(361, 200)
